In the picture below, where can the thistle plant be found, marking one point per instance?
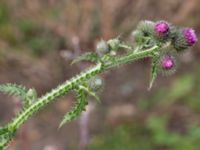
(161, 41)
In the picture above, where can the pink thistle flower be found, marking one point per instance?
(190, 36)
(162, 28)
(167, 62)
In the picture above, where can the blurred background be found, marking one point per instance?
(40, 38)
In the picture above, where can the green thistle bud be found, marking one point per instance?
(96, 83)
(32, 93)
(173, 32)
(146, 27)
(167, 63)
(138, 36)
(102, 48)
(144, 33)
(114, 44)
(179, 41)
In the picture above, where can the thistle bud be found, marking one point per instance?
(114, 44)
(184, 39)
(102, 48)
(96, 83)
(190, 36)
(138, 36)
(167, 62)
(146, 27)
(31, 96)
(161, 30)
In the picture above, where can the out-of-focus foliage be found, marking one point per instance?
(152, 135)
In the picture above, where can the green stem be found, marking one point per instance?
(70, 84)
(131, 57)
(76, 81)
(55, 93)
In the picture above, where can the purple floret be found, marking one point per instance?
(167, 62)
(161, 27)
(190, 36)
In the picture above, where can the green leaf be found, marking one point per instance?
(27, 96)
(89, 92)
(90, 56)
(13, 89)
(78, 108)
(154, 71)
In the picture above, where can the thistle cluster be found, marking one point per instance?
(171, 40)
(162, 31)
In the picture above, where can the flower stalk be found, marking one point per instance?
(147, 44)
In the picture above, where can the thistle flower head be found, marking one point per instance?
(162, 28)
(146, 27)
(184, 38)
(190, 36)
(167, 62)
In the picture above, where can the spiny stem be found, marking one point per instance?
(153, 39)
(73, 83)
(131, 57)
(70, 84)
(55, 93)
